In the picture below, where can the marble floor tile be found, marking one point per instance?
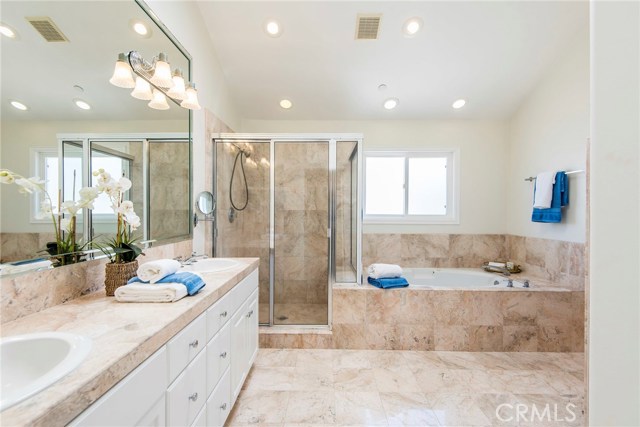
(287, 388)
(455, 409)
(360, 408)
(408, 409)
(311, 407)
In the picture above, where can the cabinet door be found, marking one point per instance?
(156, 417)
(252, 330)
(238, 350)
(187, 395)
(218, 356)
(219, 403)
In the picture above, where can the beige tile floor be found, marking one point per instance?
(295, 314)
(412, 388)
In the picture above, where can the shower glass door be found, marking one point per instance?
(301, 176)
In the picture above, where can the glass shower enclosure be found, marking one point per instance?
(294, 202)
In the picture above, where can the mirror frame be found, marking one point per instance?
(211, 198)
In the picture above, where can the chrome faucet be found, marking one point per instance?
(193, 258)
(502, 270)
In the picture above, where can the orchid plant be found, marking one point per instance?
(121, 248)
(65, 249)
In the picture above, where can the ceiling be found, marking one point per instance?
(42, 74)
(490, 53)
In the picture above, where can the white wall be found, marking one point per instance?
(18, 137)
(614, 289)
(483, 154)
(184, 20)
(549, 133)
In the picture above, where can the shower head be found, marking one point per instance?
(246, 153)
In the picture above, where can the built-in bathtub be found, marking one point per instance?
(458, 278)
(449, 310)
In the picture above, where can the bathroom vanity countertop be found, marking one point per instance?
(124, 335)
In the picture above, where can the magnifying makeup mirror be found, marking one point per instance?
(205, 204)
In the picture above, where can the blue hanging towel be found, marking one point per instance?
(395, 282)
(560, 199)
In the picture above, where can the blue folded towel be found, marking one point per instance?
(396, 282)
(191, 281)
(27, 261)
(560, 199)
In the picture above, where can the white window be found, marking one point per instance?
(411, 187)
(45, 166)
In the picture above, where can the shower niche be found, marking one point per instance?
(294, 201)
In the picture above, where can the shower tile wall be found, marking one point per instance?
(248, 234)
(169, 189)
(301, 222)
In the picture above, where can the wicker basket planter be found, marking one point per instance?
(117, 275)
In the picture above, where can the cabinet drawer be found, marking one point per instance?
(245, 288)
(132, 398)
(218, 356)
(187, 395)
(219, 313)
(219, 403)
(201, 418)
(186, 345)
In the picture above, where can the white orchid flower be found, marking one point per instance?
(133, 220)
(65, 223)
(70, 206)
(124, 183)
(89, 193)
(30, 185)
(6, 177)
(45, 209)
(126, 207)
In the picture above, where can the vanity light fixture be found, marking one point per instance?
(19, 105)
(122, 73)
(155, 82)
(412, 26)
(83, 105)
(7, 31)
(273, 28)
(459, 104)
(142, 90)
(391, 103)
(286, 104)
(159, 101)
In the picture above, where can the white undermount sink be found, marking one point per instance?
(30, 363)
(211, 265)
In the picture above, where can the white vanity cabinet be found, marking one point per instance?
(195, 378)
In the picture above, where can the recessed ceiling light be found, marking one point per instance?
(7, 31)
(412, 26)
(140, 28)
(391, 103)
(459, 103)
(19, 105)
(286, 104)
(81, 104)
(273, 28)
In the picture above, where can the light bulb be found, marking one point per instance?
(390, 103)
(19, 105)
(162, 74)
(142, 90)
(83, 105)
(178, 90)
(192, 98)
(122, 73)
(412, 26)
(286, 104)
(159, 101)
(459, 103)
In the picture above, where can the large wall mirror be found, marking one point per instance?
(62, 143)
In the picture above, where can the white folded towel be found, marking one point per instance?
(384, 271)
(153, 271)
(6, 269)
(544, 190)
(145, 292)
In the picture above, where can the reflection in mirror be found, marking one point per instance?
(205, 203)
(346, 210)
(80, 68)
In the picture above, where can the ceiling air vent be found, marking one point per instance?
(47, 29)
(367, 27)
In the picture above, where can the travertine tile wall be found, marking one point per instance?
(301, 215)
(560, 262)
(453, 320)
(32, 292)
(18, 246)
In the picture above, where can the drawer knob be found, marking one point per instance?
(223, 314)
(223, 355)
(193, 344)
(223, 406)
(193, 397)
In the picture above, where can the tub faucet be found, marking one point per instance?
(502, 270)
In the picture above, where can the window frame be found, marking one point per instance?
(452, 215)
(38, 155)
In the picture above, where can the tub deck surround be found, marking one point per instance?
(123, 334)
(538, 319)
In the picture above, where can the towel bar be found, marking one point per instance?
(533, 178)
